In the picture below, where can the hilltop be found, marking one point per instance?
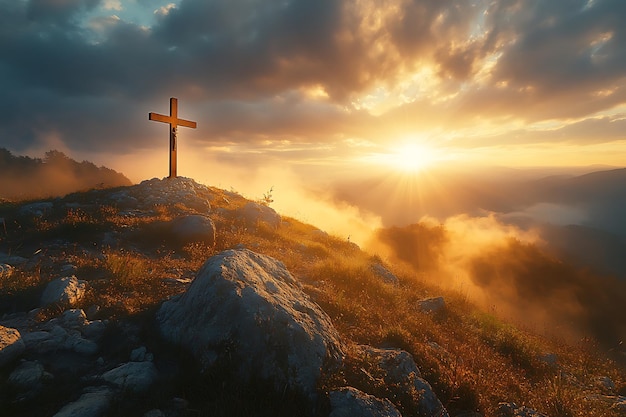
(172, 298)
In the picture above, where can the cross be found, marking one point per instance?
(173, 121)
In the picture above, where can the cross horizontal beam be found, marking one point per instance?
(174, 122)
(172, 119)
(167, 119)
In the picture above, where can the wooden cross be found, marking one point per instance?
(174, 122)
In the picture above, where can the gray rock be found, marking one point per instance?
(59, 338)
(132, 376)
(94, 402)
(141, 354)
(179, 190)
(432, 305)
(94, 329)
(74, 318)
(28, 375)
(386, 275)
(350, 402)
(247, 308)
(81, 345)
(11, 345)
(400, 373)
(68, 290)
(37, 340)
(193, 228)
(254, 213)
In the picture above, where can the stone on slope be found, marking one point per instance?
(247, 308)
(254, 213)
(132, 376)
(432, 305)
(385, 274)
(400, 373)
(94, 402)
(28, 374)
(11, 345)
(350, 402)
(67, 290)
(193, 228)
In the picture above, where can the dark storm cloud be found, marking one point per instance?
(238, 59)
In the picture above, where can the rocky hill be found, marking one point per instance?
(170, 298)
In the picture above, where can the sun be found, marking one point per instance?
(410, 157)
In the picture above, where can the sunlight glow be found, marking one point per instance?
(410, 157)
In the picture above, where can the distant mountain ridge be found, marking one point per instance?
(56, 174)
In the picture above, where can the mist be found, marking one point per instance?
(24, 178)
(506, 271)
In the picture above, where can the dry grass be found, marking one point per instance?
(472, 359)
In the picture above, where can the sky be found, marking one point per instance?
(315, 90)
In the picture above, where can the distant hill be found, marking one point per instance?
(25, 178)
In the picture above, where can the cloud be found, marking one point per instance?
(112, 5)
(315, 72)
(164, 10)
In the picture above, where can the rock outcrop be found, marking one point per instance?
(254, 213)
(402, 379)
(155, 192)
(350, 402)
(385, 274)
(193, 228)
(248, 309)
(67, 290)
(11, 345)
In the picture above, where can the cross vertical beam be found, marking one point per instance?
(174, 122)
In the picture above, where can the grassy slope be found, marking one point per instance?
(472, 359)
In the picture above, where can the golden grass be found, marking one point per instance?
(472, 359)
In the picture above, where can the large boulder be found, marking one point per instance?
(67, 290)
(132, 376)
(193, 228)
(400, 376)
(11, 345)
(247, 309)
(94, 402)
(255, 213)
(29, 374)
(350, 402)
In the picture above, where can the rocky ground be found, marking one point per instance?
(199, 324)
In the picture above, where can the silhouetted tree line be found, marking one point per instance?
(24, 178)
